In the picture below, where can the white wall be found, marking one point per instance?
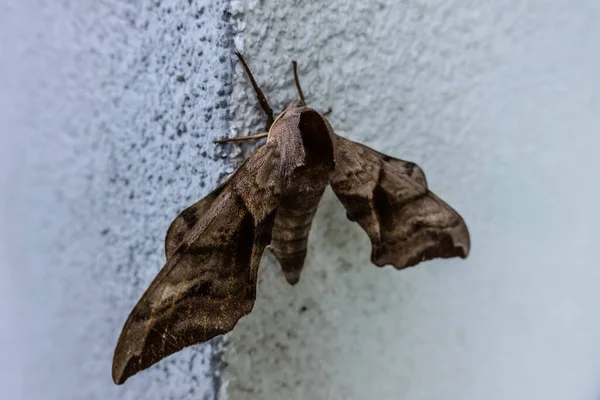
(95, 164)
(499, 103)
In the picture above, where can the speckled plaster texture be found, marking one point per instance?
(108, 112)
(499, 103)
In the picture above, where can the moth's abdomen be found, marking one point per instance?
(290, 232)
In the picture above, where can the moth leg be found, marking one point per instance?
(326, 113)
(240, 138)
(259, 93)
(298, 87)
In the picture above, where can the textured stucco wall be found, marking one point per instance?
(108, 112)
(499, 103)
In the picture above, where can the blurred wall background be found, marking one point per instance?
(107, 114)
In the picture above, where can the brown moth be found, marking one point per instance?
(213, 248)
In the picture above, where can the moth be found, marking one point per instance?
(213, 248)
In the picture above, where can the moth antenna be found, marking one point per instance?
(295, 65)
(259, 93)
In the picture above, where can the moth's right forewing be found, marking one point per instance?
(209, 280)
(390, 200)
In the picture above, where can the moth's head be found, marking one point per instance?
(296, 104)
(289, 115)
(296, 114)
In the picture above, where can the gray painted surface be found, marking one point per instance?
(499, 103)
(107, 113)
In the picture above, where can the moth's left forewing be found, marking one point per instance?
(209, 280)
(186, 220)
(390, 200)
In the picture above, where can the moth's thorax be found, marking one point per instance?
(304, 136)
(287, 122)
(305, 142)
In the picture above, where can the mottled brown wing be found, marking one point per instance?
(187, 219)
(390, 200)
(209, 280)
